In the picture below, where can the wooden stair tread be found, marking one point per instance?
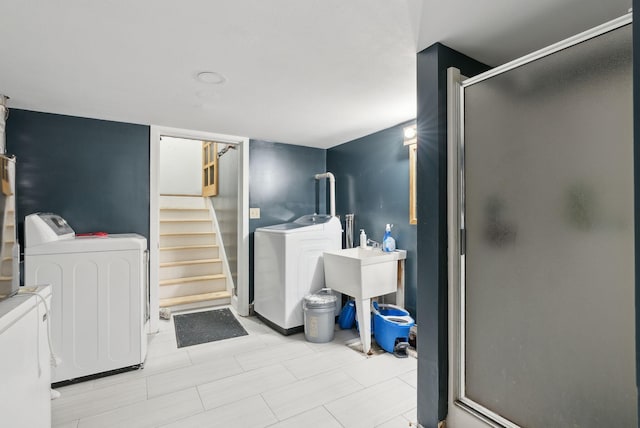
(191, 279)
(186, 220)
(183, 300)
(189, 230)
(183, 209)
(187, 233)
(190, 262)
(189, 247)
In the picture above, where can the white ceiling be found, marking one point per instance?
(314, 73)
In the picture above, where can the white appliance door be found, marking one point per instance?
(97, 310)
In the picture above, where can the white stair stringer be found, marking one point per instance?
(221, 249)
(191, 267)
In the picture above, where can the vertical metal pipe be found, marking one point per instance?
(348, 230)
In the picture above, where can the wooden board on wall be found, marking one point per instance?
(209, 168)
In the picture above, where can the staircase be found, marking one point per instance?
(7, 246)
(192, 274)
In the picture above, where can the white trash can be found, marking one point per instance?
(319, 316)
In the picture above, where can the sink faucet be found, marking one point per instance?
(373, 243)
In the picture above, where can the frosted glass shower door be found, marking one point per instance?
(548, 269)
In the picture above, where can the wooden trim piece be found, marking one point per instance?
(191, 279)
(188, 234)
(186, 220)
(183, 300)
(189, 247)
(190, 262)
(413, 187)
(183, 209)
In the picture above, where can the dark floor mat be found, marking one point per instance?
(208, 326)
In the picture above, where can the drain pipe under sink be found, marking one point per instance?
(332, 190)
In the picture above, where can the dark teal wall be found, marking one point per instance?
(94, 173)
(432, 294)
(282, 185)
(372, 182)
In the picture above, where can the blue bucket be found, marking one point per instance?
(347, 317)
(391, 325)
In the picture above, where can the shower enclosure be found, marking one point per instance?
(542, 237)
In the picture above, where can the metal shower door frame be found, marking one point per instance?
(460, 406)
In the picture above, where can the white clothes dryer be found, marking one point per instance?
(288, 266)
(99, 308)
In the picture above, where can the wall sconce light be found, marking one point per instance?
(410, 135)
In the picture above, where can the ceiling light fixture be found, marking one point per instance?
(210, 77)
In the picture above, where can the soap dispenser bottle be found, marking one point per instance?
(363, 239)
(388, 243)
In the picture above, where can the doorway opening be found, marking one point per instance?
(188, 191)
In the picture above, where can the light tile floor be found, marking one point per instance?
(263, 379)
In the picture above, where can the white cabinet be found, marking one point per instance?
(25, 370)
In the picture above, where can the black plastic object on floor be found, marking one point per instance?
(208, 326)
(400, 349)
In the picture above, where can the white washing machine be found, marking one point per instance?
(288, 266)
(99, 307)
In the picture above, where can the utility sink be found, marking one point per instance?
(363, 273)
